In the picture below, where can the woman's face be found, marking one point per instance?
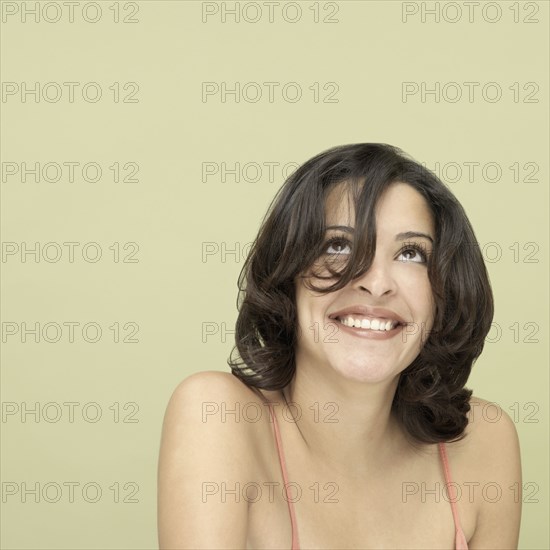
(396, 281)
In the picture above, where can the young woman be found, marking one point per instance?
(345, 422)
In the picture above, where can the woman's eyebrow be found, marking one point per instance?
(341, 228)
(410, 234)
(399, 237)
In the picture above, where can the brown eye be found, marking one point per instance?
(412, 251)
(337, 246)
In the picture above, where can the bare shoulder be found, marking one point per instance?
(207, 406)
(212, 384)
(203, 450)
(223, 395)
(490, 460)
(491, 439)
(490, 427)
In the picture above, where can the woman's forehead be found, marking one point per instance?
(401, 199)
(339, 205)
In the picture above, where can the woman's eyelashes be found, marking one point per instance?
(418, 250)
(337, 242)
(413, 252)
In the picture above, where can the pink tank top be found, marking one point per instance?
(460, 539)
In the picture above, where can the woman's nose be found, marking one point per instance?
(377, 281)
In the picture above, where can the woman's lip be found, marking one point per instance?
(369, 333)
(361, 310)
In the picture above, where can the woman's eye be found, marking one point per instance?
(412, 253)
(337, 247)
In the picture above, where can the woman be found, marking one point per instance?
(346, 423)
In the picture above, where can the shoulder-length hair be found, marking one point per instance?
(430, 401)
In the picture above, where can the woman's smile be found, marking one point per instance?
(386, 303)
(369, 333)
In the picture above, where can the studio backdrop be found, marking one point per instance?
(141, 145)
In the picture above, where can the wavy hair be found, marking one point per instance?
(431, 401)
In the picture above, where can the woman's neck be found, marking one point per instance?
(345, 424)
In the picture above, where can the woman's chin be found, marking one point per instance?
(372, 372)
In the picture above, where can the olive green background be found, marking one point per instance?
(172, 212)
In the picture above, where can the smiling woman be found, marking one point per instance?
(405, 225)
(364, 294)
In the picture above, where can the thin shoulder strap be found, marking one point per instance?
(295, 543)
(460, 539)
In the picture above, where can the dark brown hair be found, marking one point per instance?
(431, 401)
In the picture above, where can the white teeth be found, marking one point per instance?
(372, 324)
